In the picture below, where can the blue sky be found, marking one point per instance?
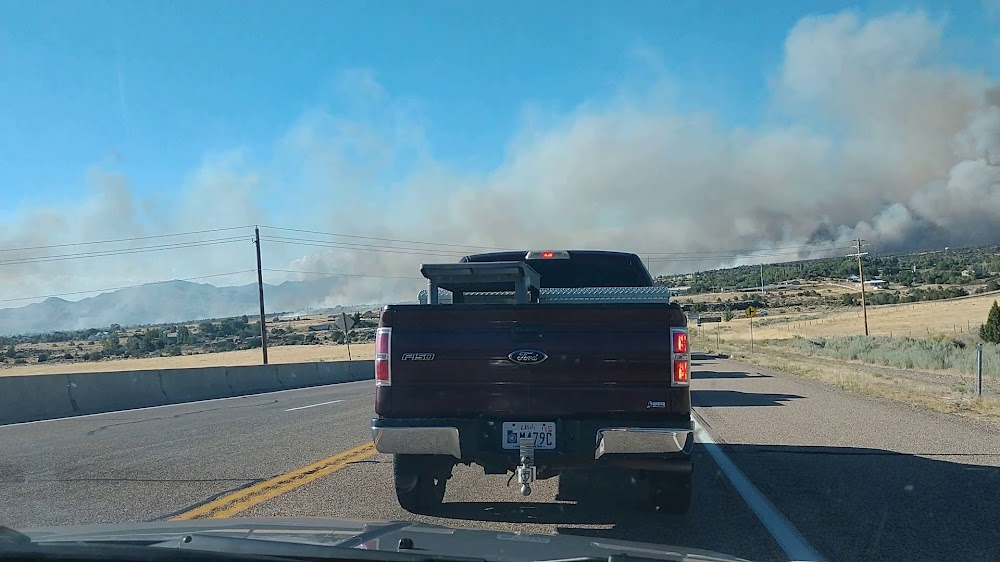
(533, 124)
(152, 88)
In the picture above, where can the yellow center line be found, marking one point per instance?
(241, 500)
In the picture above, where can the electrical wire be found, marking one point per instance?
(123, 251)
(132, 239)
(378, 239)
(106, 289)
(818, 246)
(722, 257)
(360, 247)
(331, 275)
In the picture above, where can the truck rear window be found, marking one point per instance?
(582, 269)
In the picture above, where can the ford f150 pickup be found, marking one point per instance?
(535, 363)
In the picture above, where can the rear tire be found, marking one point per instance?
(669, 493)
(419, 486)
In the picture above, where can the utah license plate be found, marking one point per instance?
(542, 433)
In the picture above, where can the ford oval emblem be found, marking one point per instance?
(527, 356)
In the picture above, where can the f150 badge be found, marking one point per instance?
(527, 356)
(417, 357)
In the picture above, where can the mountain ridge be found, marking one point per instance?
(164, 302)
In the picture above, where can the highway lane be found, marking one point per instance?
(861, 479)
(144, 464)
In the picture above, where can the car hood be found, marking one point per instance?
(382, 536)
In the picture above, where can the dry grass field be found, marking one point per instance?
(279, 354)
(876, 370)
(952, 317)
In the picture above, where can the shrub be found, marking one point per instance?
(990, 330)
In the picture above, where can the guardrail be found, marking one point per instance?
(38, 397)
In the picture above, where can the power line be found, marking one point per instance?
(329, 274)
(126, 286)
(379, 239)
(131, 239)
(659, 256)
(696, 257)
(743, 251)
(361, 247)
(705, 255)
(121, 252)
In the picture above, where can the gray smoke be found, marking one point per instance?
(888, 141)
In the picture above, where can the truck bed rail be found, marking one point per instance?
(554, 295)
(516, 278)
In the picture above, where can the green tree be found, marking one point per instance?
(43, 357)
(183, 335)
(728, 315)
(110, 343)
(990, 331)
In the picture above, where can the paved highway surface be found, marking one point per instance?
(798, 466)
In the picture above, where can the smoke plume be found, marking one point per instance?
(875, 134)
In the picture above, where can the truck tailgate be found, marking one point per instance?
(599, 359)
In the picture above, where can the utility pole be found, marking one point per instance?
(260, 294)
(861, 274)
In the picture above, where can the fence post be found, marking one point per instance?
(979, 369)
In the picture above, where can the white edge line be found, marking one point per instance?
(785, 534)
(366, 381)
(313, 405)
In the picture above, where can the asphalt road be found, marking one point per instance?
(852, 477)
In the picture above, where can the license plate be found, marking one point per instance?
(543, 433)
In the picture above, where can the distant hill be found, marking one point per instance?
(158, 303)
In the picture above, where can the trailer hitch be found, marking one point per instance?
(525, 472)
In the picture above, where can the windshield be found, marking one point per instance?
(776, 335)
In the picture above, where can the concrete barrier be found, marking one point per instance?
(337, 372)
(189, 385)
(253, 379)
(34, 397)
(298, 375)
(92, 393)
(40, 397)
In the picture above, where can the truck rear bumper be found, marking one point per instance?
(579, 441)
(642, 440)
(417, 440)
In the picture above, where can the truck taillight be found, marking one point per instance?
(382, 347)
(547, 255)
(680, 365)
(682, 371)
(680, 343)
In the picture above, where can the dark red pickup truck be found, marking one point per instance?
(535, 363)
